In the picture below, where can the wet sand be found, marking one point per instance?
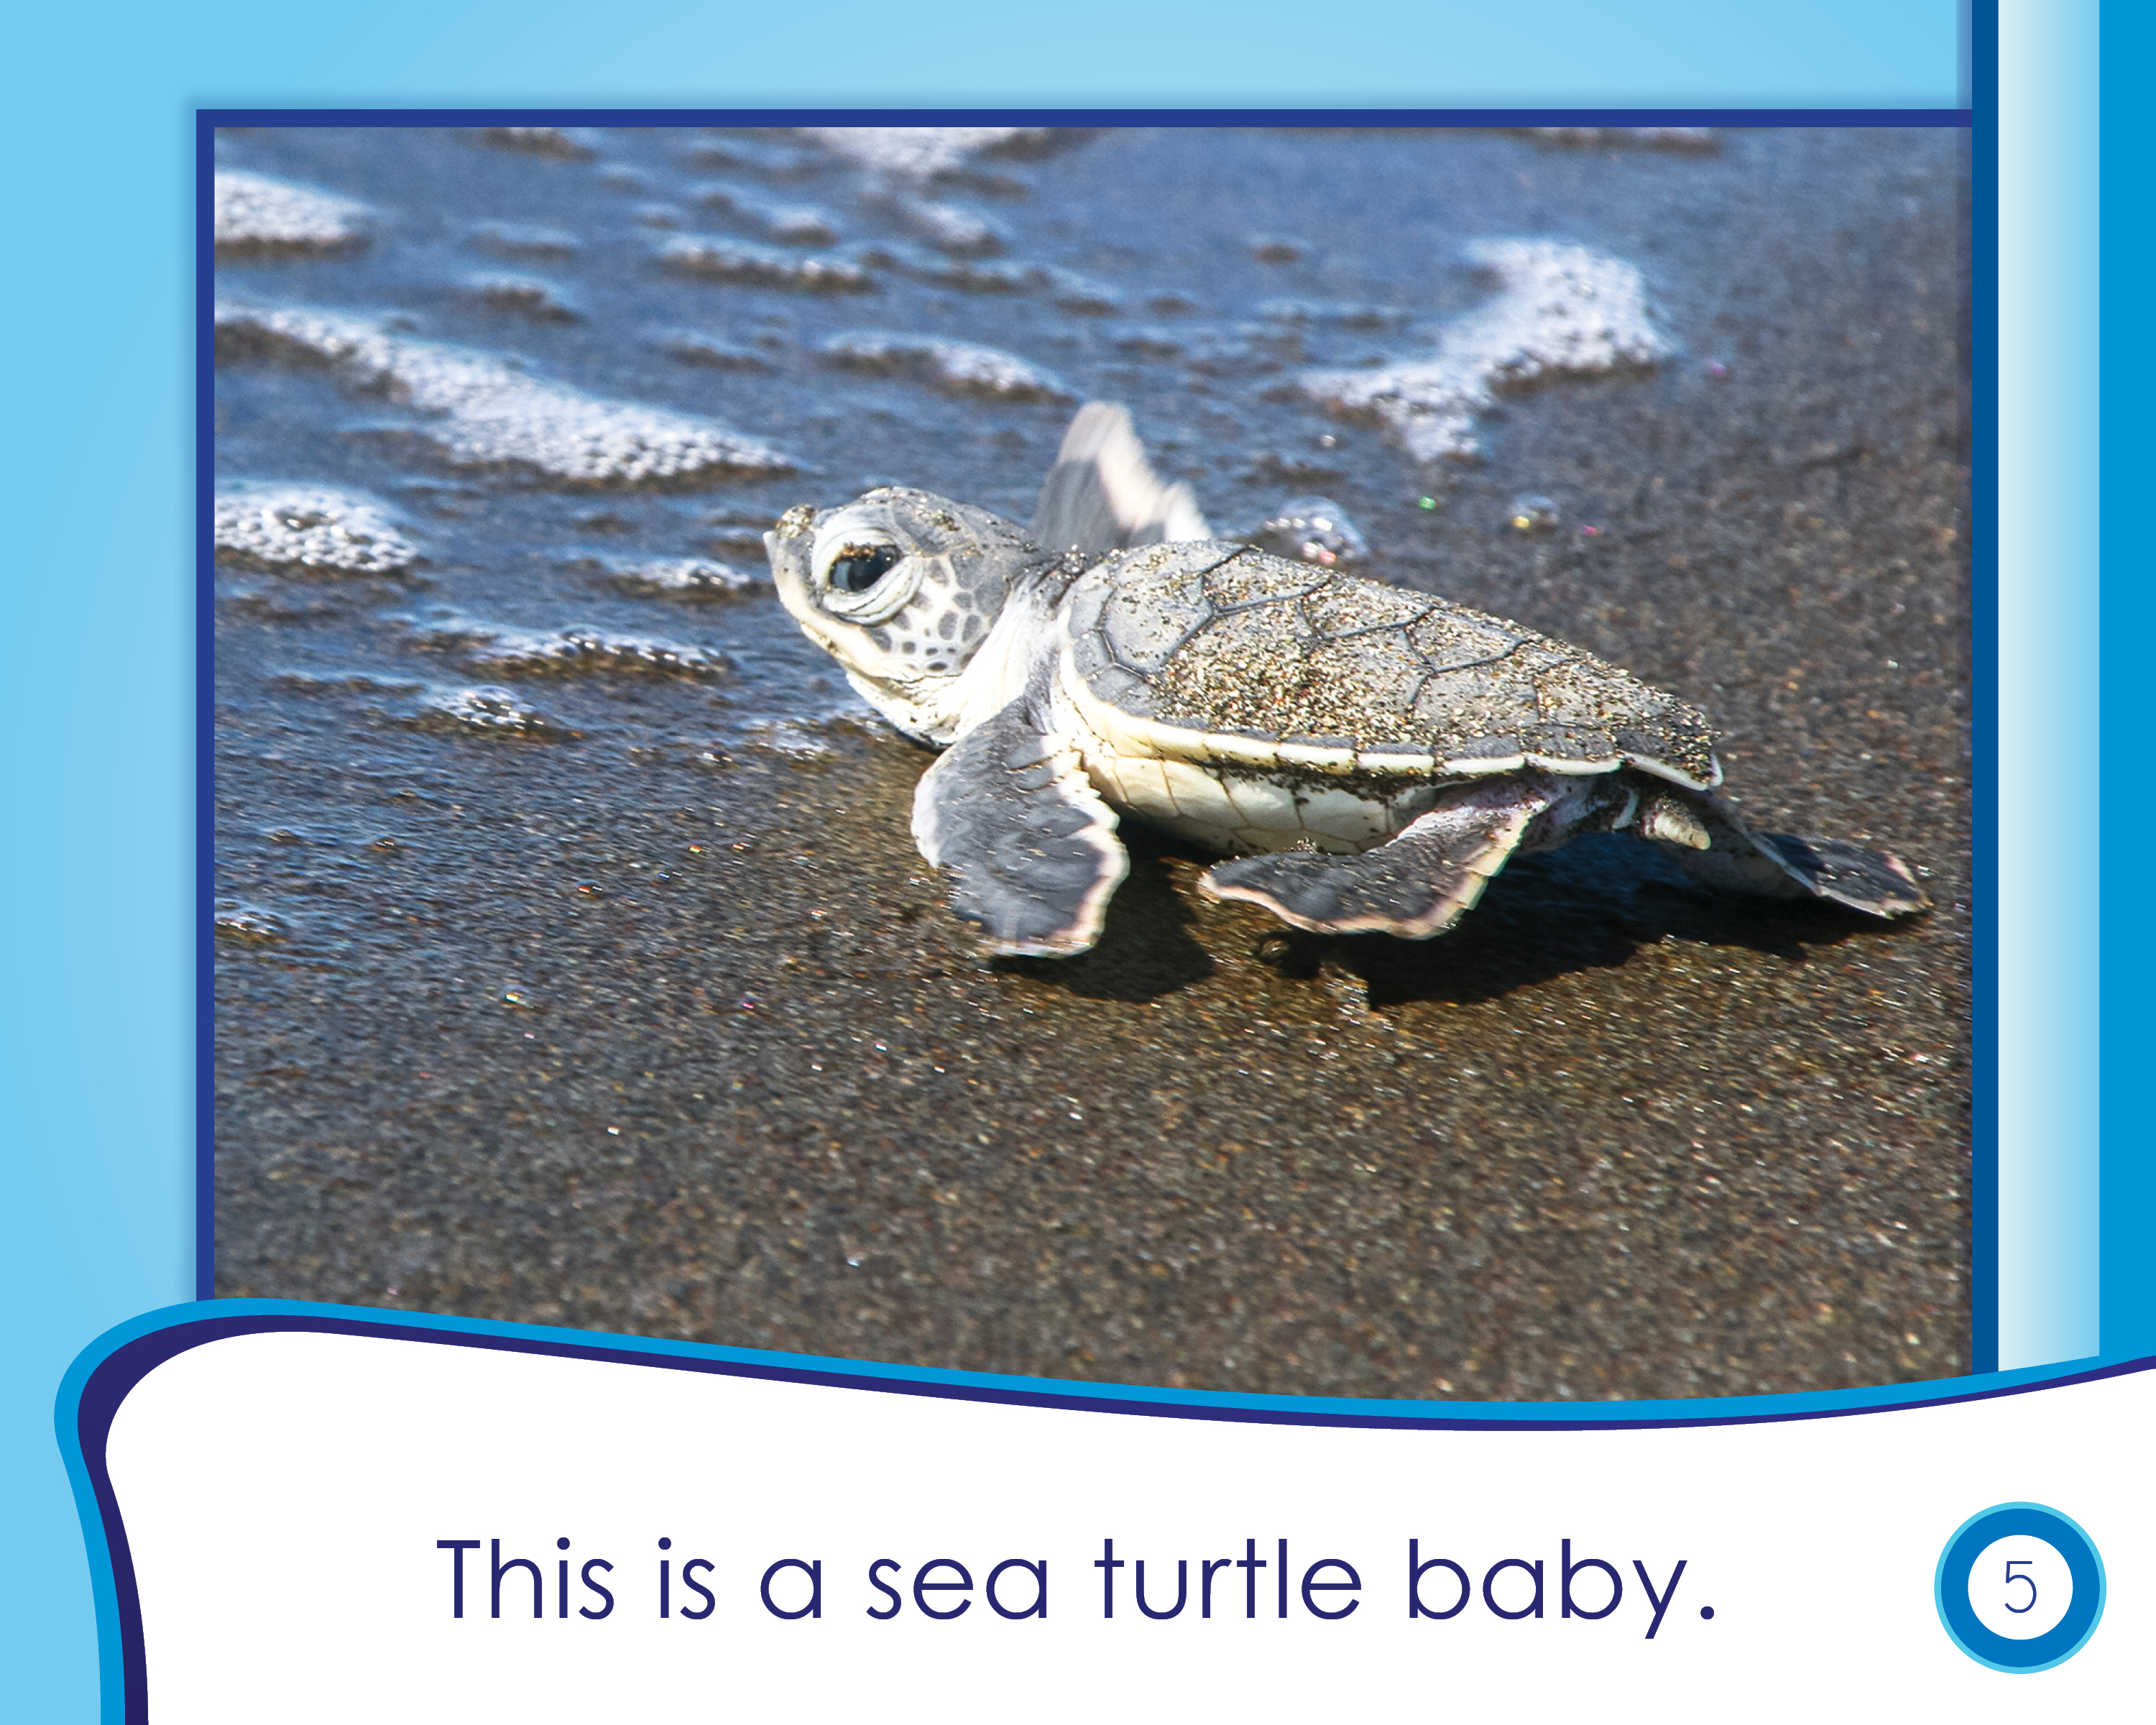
(653, 1030)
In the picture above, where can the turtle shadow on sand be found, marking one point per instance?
(1589, 906)
(1146, 948)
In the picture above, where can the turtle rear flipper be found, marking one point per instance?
(1713, 843)
(1872, 881)
(1416, 884)
(1027, 843)
(1103, 495)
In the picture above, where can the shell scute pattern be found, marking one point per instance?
(1452, 638)
(1377, 673)
(1348, 606)
(1259, 581)
(1236, 643)
(1146, 623)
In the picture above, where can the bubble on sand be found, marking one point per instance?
(745, 264)
(254, 214)
(1532, 513)
(1563, 310)
(309, 527)
(255, 925)
(250, 923)
(489, 710)
(498, 651)
(679, 578)
(482, 409)
(961, 367)
(784, 736)
(1316, 529)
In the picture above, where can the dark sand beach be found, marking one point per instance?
(642, 1013)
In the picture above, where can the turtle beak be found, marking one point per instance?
(789, 573)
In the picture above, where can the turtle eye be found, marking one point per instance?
(858, 568)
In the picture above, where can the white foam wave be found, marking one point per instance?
(962, 367)
(310, 527)
(499, 650)
(916, 152)
(1563, 310)
(490, 709)
(695, 577)
(484, 410)
(748, 264)
(252, 212)
(964, 233)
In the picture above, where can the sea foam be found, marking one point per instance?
(483, 409)
(1563, 310)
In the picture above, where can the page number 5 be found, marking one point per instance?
(2026, 1581)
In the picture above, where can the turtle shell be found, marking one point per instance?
(1249, 654)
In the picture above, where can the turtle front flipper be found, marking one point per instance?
(1715, 846)
(1416, 884)
(1103, 495)
(1029, 845)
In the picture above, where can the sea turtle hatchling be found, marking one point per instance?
(1368, 756)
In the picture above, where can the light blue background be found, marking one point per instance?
(97, 691)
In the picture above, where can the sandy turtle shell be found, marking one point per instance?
(1270, 662)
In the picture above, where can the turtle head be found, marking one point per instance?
(904, 589)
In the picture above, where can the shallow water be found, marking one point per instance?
(527, 400)
(614, 406)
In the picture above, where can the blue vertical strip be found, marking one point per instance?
(2129, 616)
(1980, 50)
(2050, 639)
(205, 654)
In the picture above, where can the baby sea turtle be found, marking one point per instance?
(1368, 756)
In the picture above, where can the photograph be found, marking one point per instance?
(1307, 759)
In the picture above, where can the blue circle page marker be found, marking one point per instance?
(2020, 1588)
